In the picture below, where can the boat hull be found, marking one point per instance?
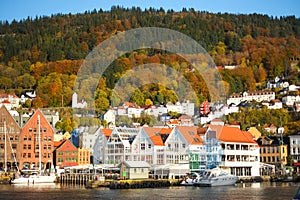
(220, 181)
(34, 180)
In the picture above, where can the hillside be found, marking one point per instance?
(45, 53)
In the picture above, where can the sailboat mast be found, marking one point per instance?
(5, 150)
(40, 155)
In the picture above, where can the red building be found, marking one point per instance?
(36, 142)
(65, 154)
(10, 131)
(204, 108)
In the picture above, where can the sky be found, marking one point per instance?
(21, 9)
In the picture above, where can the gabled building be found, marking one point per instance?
(37, 139)
(10, 134)
(149, 145)
(65, 154)
(183, 145)
(118, 147)
(102, 135)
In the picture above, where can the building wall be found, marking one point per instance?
(137, 173)
(272, 154)
(66, 155)
(12, 130)
(242, 159)
(84, 156)
(29, 141)
(295, 148)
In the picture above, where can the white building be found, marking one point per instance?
(289, 100)
(118, 147)
(76, 104)
(156, 110)
(11, 99)
(87, 137)
(186, 107)
(259, 96)
(102, 136)
(240, 153)
(110, 117)
(149, 145)
(274, 104)
(295, 148)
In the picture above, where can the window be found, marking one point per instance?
(149, 146)
(143, 146)
(24, 155)
(14, 146)
(30, 129)
(24, 146)
(29, 155)
(29, 146)
(36, 155)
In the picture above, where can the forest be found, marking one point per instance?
(45, 53)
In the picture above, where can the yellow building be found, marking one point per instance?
(273, 151)
(84, 156)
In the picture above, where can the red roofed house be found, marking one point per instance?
(12, 99)
(65, 154)
(185, 146)
(149, 145)
(240, 153)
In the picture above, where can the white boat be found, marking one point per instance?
(33, 176)
(216, 177)
(190, 180)
(34, 179)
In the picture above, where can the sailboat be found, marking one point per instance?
(35, 178)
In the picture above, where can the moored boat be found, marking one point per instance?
(216, 177)
(34, 179)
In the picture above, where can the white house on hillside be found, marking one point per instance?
(76, 104)
(259, 96)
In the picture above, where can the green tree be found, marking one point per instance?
(138, 97)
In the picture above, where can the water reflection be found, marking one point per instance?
(247, 191)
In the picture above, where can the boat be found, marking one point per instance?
(34, 179)
(216, 177)
(34, 176)
(190, 179)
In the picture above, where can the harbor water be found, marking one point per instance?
(257, 191)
